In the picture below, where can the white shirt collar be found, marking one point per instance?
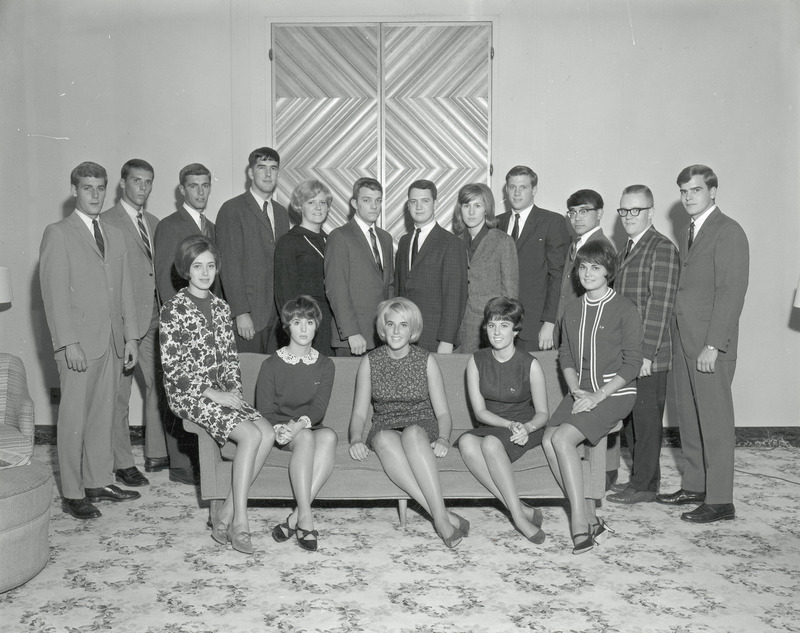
(196, 215)
(585, 237)
(86, 219)
(700, 219)
(523, 217)
(636, 239)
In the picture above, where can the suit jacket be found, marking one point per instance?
(713, 282)
(542, 250)
(88, 297)
(649, 278)
(170, 232)
(144, 279)
(570, 283)
(437, 283)
(247, 249)
(354, 284)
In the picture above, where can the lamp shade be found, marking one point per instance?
(5, 285)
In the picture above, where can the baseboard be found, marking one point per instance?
(766, 436)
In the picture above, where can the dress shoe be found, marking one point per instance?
(132, 477)
(111, 493)
(681, 497)
(240, 541)
(183, 476)
(631, 495)
(80, 508)
(618, 487)
(154, 464)
(710, 512)
(611, 478)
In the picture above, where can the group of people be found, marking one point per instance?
(115, 282)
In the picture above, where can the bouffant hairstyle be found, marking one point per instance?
(469, 193)
(598, 252)
(504, 309)
(408, 310)
(190, 249)
(301, 307)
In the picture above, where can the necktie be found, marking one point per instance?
(628, 249)
(691, 233)
(375, 252)
(573, 250)
(98, 238)
(515, 230)
(143, 233)
(414, 247)
(266, 217)
(204, 228)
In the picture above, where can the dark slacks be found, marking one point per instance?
(644, 431)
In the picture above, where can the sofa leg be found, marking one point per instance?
(214, 507)
(402, 510)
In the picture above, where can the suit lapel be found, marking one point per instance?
(252, 204)
(86, 233)
(130, 226)
(365, 246)
(531, 224)
(428, 245)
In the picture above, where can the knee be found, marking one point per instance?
(415, 434)
(327, 438)
(266, 431)
(304, 438)
(469, 445)
(491, 446)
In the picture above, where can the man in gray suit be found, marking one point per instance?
(359, 272)
(138, 228)
(715, 264)
(247, 228)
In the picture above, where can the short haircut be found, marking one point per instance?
(136, 163)
(366, 183)
(585, 196)
(194, 169)
(523, 170)
(709, 177)
(309, 189)
(190, 249)
(469, 193)
(263, 153)
(406, 309)
(301, 307)
(504, 309)
(426, 185)
(598, 252)
(640, 189)
(87, 169)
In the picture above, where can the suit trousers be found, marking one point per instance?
(704, 403)
(155, 441)
(84, 422)
(263, 342)
(644, 431)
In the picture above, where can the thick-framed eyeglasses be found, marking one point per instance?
(634, 212)
(580, 212)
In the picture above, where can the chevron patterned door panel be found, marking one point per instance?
(397, 102)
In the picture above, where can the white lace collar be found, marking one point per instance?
(291, 359)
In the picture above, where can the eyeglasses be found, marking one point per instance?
(633, 212)
(580, 212)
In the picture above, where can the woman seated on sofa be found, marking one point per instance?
(600, 354)
(292, 392)
(203, 382)
(411, 419)
(508, 395)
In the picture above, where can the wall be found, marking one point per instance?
(595, 94)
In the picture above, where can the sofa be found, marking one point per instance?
(352, 480)
(16, 408)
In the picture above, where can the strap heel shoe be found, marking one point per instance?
(600, 531)
(307, 539)
(582, 542)
(282, 532)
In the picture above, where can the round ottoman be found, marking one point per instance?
(26, 494)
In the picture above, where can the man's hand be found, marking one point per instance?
(76, 359)
(444, 348)
(358, 345)
(546, 336)
(244, 326)
(130, 355)
(706, 360)
(647, 368)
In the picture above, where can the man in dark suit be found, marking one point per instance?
(647, 274)
(431, 271)
(190, 219)
(715, 263)
(359, 272)
(542, 244)
(88, 301)
(138, 227)
(247, 228)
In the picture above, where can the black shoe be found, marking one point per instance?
(611, 478)
(154, 464)
(681, 497)
(183, 476)
(132, 477)
(710, 512)
(631, 496)
(619, 487)
(582, 541)
(80, 508)
(111, 493)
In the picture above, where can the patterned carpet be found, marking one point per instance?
(150, 566)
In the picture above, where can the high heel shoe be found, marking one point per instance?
(454, 539)
(240, 541)
(219, 532)
(581, 545)
(539, 537)
(282, 532)
(463, 524)
(600, 531)
(538, 518)
(303, 540)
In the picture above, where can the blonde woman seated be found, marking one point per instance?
(292, 392)
(204, 384)
(508, 395)
(411, 419)
(600, 355)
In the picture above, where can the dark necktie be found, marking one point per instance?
(204, 228)
(628, 249)
(691, 233)
(143, 233)
(573, 250)
(375, 252)
(515, 230)
(414, 247)
(266, 217)
(98, 238)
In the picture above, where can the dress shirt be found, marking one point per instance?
(584, 238)
(700, 219)
(132, 214)
(424, 231)
(365, 230)
(270, 211)
(523, 217)
(636, 238)
(196, 216)
(88, 222)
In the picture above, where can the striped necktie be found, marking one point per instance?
(98, 238)
(375, 252)
(145, 239)
(691, 233)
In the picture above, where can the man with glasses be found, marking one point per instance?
(647, 274)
